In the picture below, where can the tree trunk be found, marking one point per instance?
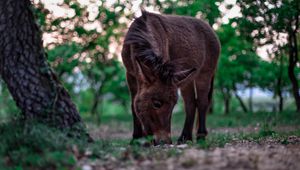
(293, 59)
(243, 106)
(227, 105)
(97, 95)
(279, 86)
(24, 68)
(280, 102)
(240, 99)
(97, 99)
(251, 99)
(226, 97)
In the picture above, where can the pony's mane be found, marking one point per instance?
(145, 45)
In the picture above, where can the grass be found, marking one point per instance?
(252, 119)
(36, 146)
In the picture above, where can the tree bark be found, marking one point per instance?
(24, 68)
(293, 59)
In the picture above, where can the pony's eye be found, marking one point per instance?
(156, 104)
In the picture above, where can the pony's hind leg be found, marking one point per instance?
(188, 95)
(204, 88)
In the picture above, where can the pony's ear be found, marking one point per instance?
(180, 76)
(144, 73)
(144, 13)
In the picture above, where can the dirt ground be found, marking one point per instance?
(267, 154)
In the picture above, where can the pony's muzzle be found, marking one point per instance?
(162, 137)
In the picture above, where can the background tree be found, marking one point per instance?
(240, 61)
(275, 78)
(275, 23)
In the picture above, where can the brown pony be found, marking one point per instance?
(162, 53)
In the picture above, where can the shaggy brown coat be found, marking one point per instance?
(162, 53)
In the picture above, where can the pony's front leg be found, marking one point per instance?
(188, 95)
(137, 127)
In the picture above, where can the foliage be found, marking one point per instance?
(86, 43)
(239, 59)
(265, 19)
(206, 9)
(274, 23)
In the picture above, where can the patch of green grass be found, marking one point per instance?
(266, 129)
(32, 144)
(220, 139)
(216, 140)
(252, 119)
